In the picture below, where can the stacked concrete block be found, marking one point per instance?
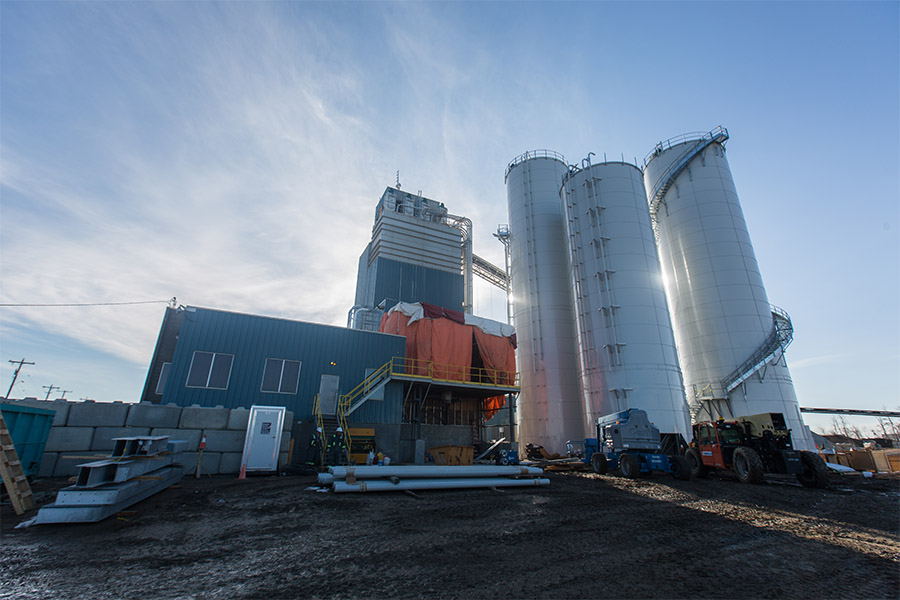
(238, 419)
(146, 414)
(191, 436)
(84, 429)
(225, 441)
(103, 436)
(65, 439)
(230, 462)
(203, 417)
(209, 465)
(97, 414)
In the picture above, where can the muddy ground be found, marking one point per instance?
(584, 536)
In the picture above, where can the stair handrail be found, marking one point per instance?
(779, 338)
(663, 183)
(320, 425)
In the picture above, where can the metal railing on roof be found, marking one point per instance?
(533, 154)
(694, 136)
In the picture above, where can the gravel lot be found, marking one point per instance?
(584, 536)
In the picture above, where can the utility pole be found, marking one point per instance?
(64, 392)
(16, 374)
(50, 389)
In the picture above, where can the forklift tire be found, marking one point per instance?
(698, 469)
(599, 463)
(681, 468)
(815, 473)
(748, 465)
(629, 466)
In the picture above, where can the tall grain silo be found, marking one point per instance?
(549, 410)
(626, 346)
(731, 341)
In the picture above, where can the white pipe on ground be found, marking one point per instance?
(435, 484)
(374, 472)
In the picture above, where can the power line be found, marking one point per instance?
(91, 303)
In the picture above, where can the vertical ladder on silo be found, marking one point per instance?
(13, 475)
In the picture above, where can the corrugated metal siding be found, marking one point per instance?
(396, 281)
(252, 339)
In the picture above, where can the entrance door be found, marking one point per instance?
(263, 439)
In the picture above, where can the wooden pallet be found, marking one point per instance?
(11, 470)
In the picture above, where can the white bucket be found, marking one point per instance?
(387, 460)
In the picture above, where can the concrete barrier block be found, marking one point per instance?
(103, 436)
(48, 464)
(230, 463)
(238, 419)
(97, 414)
(225, 441)
(191, 436)
(66, 466)
(285, 442)
(288, 420)
(282, 460)
(68, 439)
(147, 414)
(209, 465)
(203, 417)
(60, 407)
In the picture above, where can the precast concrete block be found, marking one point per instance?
(48, 464)
(238, 419)
(203, 417)
(209, 464)
(224, 440)
(66, 465)
(191, 436)
(230, 463)
(67, 439)
(97, 414)
(288, 420)
(285, 442)
(282, 459)
(147, 414)
(103, 436)
(59, 407)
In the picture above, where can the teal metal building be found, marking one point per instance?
(219, 358)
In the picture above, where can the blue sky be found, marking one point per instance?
(231, 155)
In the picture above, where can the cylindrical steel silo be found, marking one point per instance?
(731, 341)
(626, 347)
(549, 410)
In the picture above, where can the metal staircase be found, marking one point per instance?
(667, 178)
(779, 338)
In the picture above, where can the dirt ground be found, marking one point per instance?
(584, 536)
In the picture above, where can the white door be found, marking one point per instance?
(263, 439)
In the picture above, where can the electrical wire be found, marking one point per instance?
(91, 303)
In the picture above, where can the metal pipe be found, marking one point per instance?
(374, 471)
(436, 484)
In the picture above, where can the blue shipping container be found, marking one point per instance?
(29, 428)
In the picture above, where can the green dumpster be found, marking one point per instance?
(29, 428)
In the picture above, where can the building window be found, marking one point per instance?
(163, 377)
(281, 376)
(210, 370)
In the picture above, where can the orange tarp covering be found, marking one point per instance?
(448, 346)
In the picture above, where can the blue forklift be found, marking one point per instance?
(629, 442)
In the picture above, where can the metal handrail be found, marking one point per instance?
(779, 338)
(532, 154)
(694, 136)
(475, 376)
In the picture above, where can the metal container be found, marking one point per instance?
(549, 408)
(29, 428)
(730, 339)
(626, 347)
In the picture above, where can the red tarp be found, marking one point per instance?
(441, 338)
